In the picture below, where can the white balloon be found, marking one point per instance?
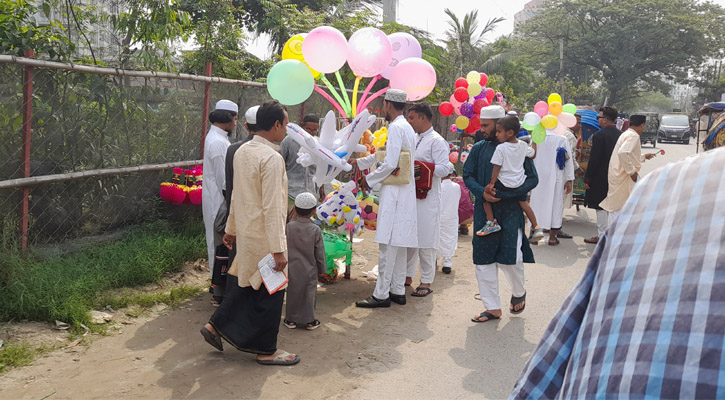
(532, 119)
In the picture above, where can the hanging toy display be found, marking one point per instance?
(342, 210)
(184, 188)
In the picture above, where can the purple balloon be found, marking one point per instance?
(404, 46)
(467, 110)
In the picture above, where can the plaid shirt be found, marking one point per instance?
(648, 317)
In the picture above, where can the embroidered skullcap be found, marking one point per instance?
(396, 96)
(492, 112)
(227, 105)
(305, 201)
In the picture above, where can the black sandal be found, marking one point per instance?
(426, 291)
(212, 339)
(486, 314)
(516, 301)
(313, 325)
(289, 324)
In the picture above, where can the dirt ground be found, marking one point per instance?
(428, 348)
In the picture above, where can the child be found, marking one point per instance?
(306, 255)
(450, 197)
(508, 172)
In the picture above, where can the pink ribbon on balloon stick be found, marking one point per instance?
(366, 92)
(331, 100)
(373, 97)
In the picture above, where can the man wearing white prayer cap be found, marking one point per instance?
(397, 227)
(223, 120)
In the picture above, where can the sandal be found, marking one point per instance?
(280, 360)
(592, 240)
(562, 235)
(554, 243)
(289, 324)
(212, 339)
(216, 301)
(313, 325)
(516, 301)
(488, 315)
(426, 291)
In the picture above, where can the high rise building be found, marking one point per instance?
(530, 10)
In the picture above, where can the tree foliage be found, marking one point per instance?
(19, 30)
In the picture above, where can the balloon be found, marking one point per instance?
(569, 108)
(461, 94)
(541, 108)
(461, 82)
(415, 76)
(470, 129)
(532, 119)
(554, 97)
(567, 119)
(555, 108)
(473, 77)
(560, 129)
(538, 135)
(453, 157)
(404, 46)
(490, 93)
(453, 128)
(474, 89)
(290, 82)
(475, 123)
(527, 126)
(292, 50)
(462, 122)
(484, 79)
(549, 122)
(445, 108)
(325, 49)
(368, 52)
(479, 104)
(457, 109)
(467, 110)
(455, 101)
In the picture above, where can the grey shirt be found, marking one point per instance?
(299, 178)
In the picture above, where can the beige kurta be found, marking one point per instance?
(306, 260)
(626, 160)
(258, 209)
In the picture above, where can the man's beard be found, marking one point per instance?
(388, 117)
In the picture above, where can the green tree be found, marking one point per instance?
(465, 41)
(19, 30)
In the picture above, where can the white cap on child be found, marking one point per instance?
(305, 201)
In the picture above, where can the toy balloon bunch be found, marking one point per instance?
(184, 188)
(342, 209)
(468, 98)
(549, 116)
(369, 52)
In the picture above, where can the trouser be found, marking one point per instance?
(613, 215)
(427, 260)
(487, 276)
(391, 271)
(602, 222)
(210, 247)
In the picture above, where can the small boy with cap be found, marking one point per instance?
(306, 255)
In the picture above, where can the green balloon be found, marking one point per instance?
(290, 82)
(538, 135)
(569, 108)
(527, 126)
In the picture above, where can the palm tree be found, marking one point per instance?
(465, 40)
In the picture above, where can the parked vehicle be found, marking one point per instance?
(650, 128)
(674, 128)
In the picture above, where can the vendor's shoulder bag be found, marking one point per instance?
(401, 174)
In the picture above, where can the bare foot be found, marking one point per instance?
(289, 358)
(517, 307)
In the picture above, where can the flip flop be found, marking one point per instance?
(427, 291)
(562, 235)
(486, 314)
(280, 360)
(212, 339)
(516, 301)
(554, 243)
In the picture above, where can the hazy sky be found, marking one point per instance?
(429, 15)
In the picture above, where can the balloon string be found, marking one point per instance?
(354, 95)
(332, 89)
(343, 91)
(373, 97)
(331, 100)
(366, 92)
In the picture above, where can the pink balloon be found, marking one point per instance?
(541, 108)
(567, 119)
(559, 129)
(453, 128)
(325, 49)
(404, 46)
(415, 76)
(368, 52)
(455, 102)
(457, 109)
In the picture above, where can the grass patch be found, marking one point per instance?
(20, 354)
(66, 288)
(130, 297)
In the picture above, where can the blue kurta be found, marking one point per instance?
(499, 247)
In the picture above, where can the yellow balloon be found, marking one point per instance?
(293, 50)
(554, 97)
(555, 108)
(473, 77)
(549, 122)
(474, 89)
(462, 122)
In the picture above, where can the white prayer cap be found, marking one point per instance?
(492, 112)
(512, 113)
(227, 105)
(251, 115)
(396, 95)
(305, 201)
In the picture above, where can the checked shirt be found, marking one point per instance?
(647, 320)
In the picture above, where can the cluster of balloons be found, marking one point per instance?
(550, 115)
(369, 52)
(458, 154)
(467, 100)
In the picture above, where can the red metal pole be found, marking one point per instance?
(205, 116)
(27, 126)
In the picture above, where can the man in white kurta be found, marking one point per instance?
(431, 148)
(546, 199)
(223, 120)
(397, 218)
(450, 197)
(624, 166)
